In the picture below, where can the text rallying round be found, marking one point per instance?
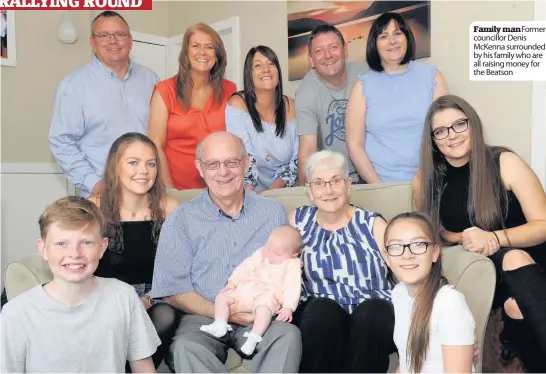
(75, 4)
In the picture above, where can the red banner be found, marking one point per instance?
(76, 4)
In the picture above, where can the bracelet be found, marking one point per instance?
(498, 241)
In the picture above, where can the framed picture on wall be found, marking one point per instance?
(353, 19)
(7, 34)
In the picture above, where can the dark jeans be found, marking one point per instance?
(357, 179)
(335, 341)
(525, 338)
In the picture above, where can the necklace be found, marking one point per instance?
(134, 213)
(262, 118)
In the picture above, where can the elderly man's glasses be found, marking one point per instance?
(106, 36)
(443, 132)
(320, 184)
(417, 248)
(230, 163)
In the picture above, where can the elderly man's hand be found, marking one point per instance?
(236, 315)
(243, 319)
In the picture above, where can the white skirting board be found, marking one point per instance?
(26, 190)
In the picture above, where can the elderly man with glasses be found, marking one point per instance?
(99, 102)
(201, 243)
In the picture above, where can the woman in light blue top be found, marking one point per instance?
(264, 119)
(387, 105)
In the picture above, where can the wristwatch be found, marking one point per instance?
(150, 300)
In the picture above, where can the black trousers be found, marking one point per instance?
(335, 341)
(527, 285)
(166, 319)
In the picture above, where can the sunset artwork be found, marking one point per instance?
(353, 19)
(4, 33)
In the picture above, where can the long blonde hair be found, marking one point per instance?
(184, 82)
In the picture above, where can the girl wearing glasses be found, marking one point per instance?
(488, 200)
(434, 328)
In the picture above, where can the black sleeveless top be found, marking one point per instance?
(454, 215)
(135, 265)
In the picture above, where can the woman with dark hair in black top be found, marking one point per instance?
(134, 205)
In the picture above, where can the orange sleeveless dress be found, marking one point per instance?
(186, 129)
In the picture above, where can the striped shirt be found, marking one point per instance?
(200, 246)
(92, 108)
(344, 265)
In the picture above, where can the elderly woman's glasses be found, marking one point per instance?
(320, 184)
(230, 163)
(417, 248)
(443, 132)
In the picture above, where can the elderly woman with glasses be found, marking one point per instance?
(491, 202)
(346, 318)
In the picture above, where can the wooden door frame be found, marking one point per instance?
(159, 40)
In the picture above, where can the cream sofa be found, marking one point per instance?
(472, 274)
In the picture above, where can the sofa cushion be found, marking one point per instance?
(22, 275)
(388, 199)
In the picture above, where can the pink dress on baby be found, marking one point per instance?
(260, 283)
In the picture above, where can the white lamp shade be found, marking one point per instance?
(67, 31)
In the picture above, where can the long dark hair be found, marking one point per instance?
(110, 199)
(249, 94)
(419, 330)
(487, 197)
(184, 83)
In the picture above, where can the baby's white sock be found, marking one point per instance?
(251, 342)
(218, 328)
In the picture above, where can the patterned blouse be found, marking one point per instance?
(271, 157)
(344, 265)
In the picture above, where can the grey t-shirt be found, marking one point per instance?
(40, 335)
(321, 110)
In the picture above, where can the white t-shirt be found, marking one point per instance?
(40, 335)
(451, 323)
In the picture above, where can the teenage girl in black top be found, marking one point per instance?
(134, 205)
(491, 202)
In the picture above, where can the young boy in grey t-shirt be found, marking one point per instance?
(76, 323)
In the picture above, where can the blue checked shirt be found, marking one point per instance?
(200, 246)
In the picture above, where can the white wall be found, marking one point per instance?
(26, 190)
